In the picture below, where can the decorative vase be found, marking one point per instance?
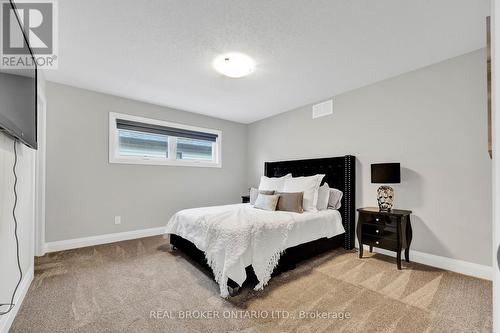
(385, 198)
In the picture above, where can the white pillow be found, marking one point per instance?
(273, 184)
(267, 202)
(335, 200)
(323, 197)
(308, 185)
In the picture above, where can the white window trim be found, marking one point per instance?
(113, 144)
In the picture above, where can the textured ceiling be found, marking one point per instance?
(161, 51)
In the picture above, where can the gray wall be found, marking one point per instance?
(85, 192)
(433, 121)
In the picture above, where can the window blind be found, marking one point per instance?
(171, 131)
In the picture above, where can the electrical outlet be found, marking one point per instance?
(118, 220)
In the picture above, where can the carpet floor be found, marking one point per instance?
(140, 286)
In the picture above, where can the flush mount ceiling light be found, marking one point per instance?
(234, 65)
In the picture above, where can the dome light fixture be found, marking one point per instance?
(234, 65)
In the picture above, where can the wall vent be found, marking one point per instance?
(322, 109)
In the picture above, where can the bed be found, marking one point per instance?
(238, 241)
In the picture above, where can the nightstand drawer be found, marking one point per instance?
(384, 243)
(379, 231)
(383, 221)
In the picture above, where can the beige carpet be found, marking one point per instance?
(116, 287)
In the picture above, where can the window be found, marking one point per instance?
(194, 149)
(135, 143)
(137, 140)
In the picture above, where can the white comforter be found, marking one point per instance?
(235, 236)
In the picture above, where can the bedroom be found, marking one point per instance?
(141, 123)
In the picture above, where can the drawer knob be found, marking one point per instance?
(377, 242)
(377, 231)
(377, 219)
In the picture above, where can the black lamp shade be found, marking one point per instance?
(386, 173)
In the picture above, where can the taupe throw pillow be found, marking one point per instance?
(266, 202)
(255, 192)
(291, 201)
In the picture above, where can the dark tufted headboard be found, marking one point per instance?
(340, 173)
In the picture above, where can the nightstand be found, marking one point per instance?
(386, 230)
(245, 198)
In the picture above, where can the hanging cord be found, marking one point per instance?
(12, 304)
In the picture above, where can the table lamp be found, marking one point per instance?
(386, 173)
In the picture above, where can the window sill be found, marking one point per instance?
(143, 161)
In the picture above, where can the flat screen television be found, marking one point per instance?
(18, 99)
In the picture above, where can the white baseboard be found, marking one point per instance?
(454, 265)
(101, 239)
(7, 319)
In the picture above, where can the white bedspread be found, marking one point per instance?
(235, 236)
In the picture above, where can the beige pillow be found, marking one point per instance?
(335, 199)
(291, 202)
(255, 192)
(266, 201)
